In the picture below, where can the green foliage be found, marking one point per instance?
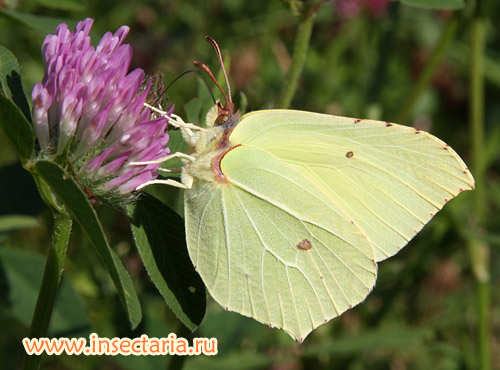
(79, 207)
(400, 338)
(14, 222)
(63, 4)
(43, 25)
(17, 128)
(435, 4)
(159, 236)
(8, 66)
(69, 315)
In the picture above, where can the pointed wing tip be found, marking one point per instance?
(298, 337)
(471, 181)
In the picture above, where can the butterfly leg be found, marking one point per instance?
(164, 159)
(169, 182)
(173, 119)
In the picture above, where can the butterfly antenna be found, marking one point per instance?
(219, 55)
(207, 85)
(209, 72)
(160, 95)
(229, 101)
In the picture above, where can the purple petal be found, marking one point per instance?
(109, 41)
(41, 103)
(71, 110)
(95, 163)
(84, 26)
(126, 92)
(93, 133)
(134, 182)
(113, 166)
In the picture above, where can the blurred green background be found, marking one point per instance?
(366, 61)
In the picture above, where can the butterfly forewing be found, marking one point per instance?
(388, 179)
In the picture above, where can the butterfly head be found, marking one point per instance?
(225, 113)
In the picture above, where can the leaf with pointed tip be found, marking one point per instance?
(8, 64)
(17, 128)
(40, 23)
(159, 235)
(68, 191)
(10, 81)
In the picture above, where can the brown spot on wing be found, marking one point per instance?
(388, 124)
(304, 245)
(349, 154)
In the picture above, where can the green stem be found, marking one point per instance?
(477, 113)
(50, 284)
(483, 298)
(177, 362)
(479, 251)
(426, 75)
(299, 57)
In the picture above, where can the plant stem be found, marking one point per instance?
(177, 362)
(299, 57)
(477, 113)
(479, 251)
(430, 67)
(50, 284)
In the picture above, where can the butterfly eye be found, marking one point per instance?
(222, 118)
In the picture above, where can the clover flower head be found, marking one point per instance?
(89, 111)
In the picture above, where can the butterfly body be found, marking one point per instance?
(206, 147)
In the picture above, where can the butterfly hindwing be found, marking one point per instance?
(270, 245)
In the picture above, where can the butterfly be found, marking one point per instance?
(287, 212)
